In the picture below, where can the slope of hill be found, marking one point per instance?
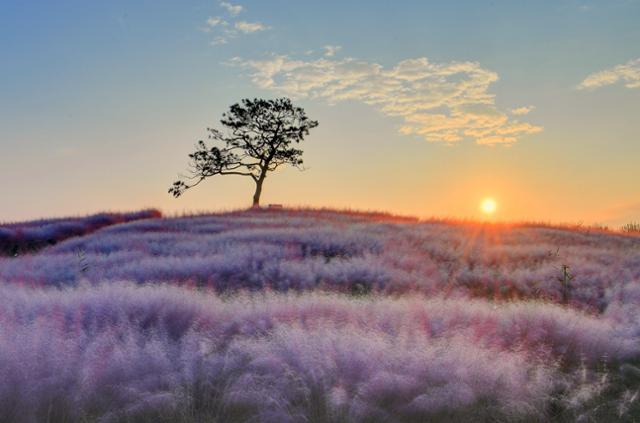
(25, 237)
(323, 316)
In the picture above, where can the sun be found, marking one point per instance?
(488, 205)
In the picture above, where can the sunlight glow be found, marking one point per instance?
(488, 206)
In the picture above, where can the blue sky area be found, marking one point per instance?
(440, 104)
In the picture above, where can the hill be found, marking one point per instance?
(324, 316)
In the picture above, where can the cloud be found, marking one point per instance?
(215, 21)
(250, 27)
(233, 9)
(223, 30)
(219, 40)
(585, 7)
(629, 73)
(330, 51)
(440, 102)
(520, 111)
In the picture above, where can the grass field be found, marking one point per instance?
(316, 316)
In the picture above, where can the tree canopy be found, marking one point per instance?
(258, 136)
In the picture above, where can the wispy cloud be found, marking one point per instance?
(585, 7)
(232, 9)
(629, 73)
(330, 51)
(250, 27)
(215, 21)
(224, 30)
(520, 111)
(440, 102)
(219, 40)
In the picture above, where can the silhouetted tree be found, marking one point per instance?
(257, 139)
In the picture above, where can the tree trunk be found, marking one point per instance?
(256, 195)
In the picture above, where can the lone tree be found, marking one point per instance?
(258, 137)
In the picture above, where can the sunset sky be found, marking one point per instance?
(425, 108)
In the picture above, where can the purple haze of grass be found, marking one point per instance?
(119, 351)
(345, 252)
(416, 347)
(36, 234)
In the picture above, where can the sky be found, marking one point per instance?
(425, 107)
